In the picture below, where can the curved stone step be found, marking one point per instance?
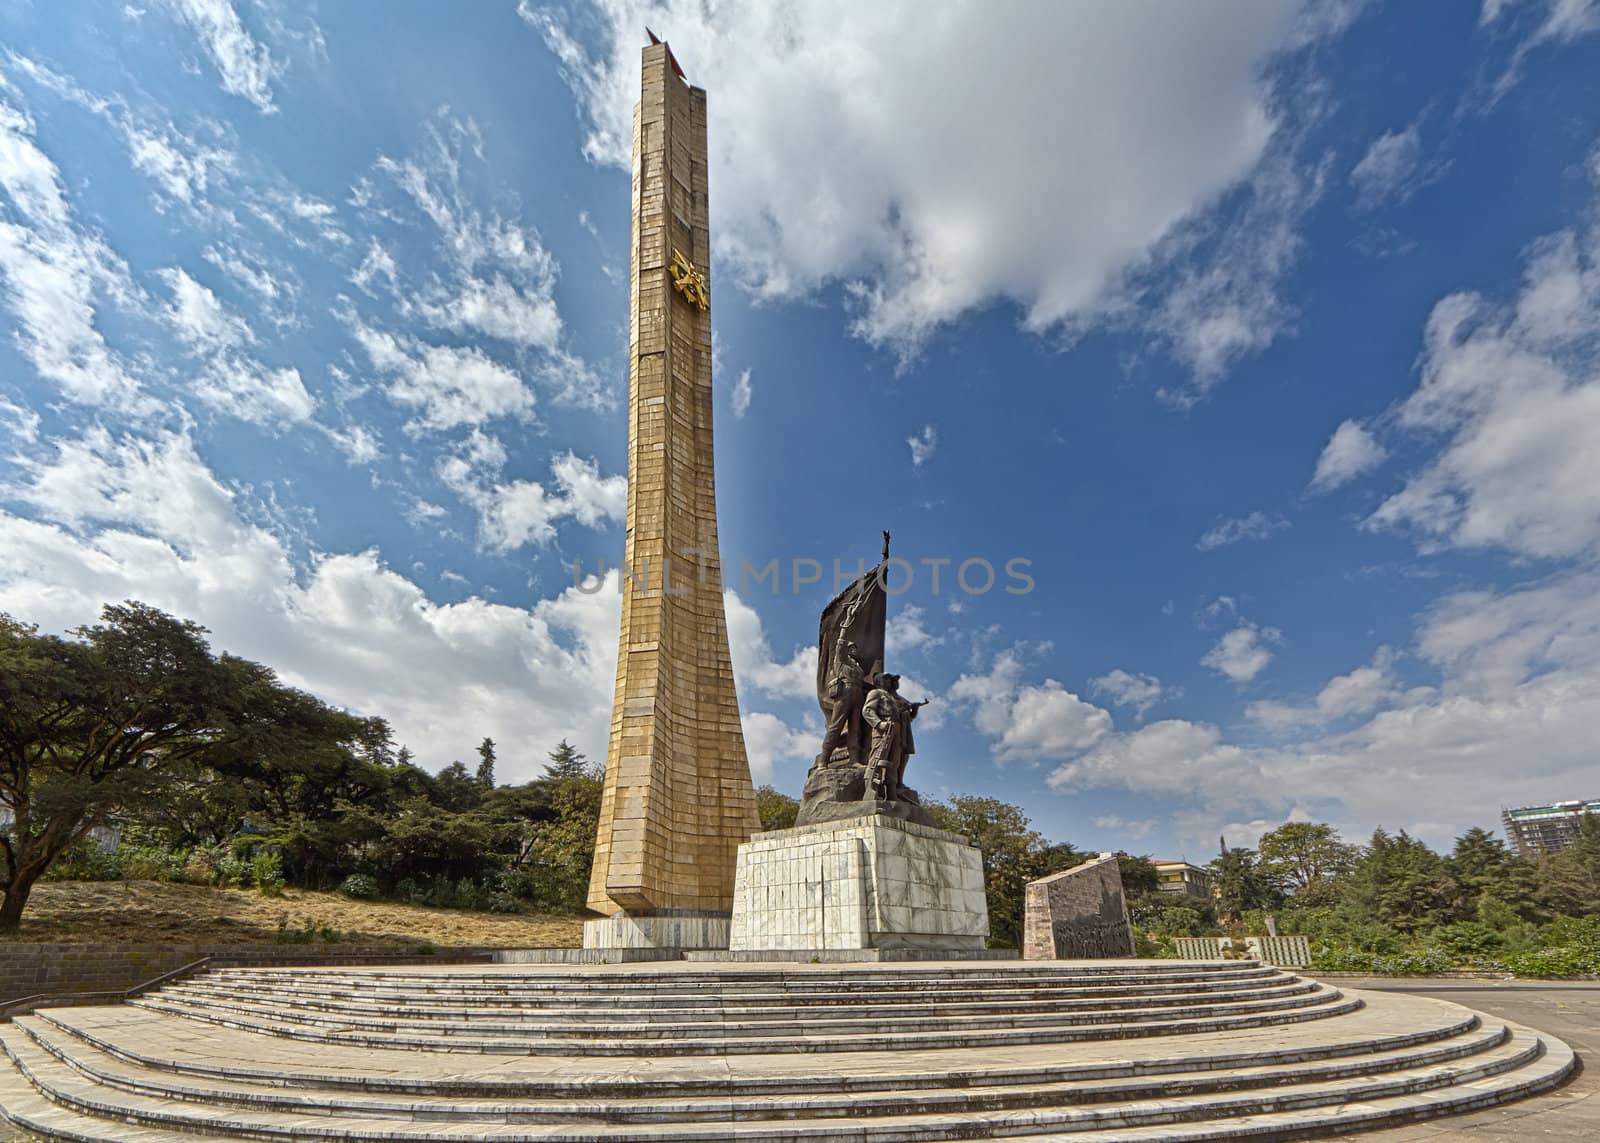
(188, 1048)
(484, 1015)
(1041, 1088)
(791, 978)
(1517, 1065)
(641, 997)
(718, 1038)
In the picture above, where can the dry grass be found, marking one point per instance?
(151, 912)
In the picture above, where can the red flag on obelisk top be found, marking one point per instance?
(671, 59)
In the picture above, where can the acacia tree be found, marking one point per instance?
(99, 724)
(1300, 854)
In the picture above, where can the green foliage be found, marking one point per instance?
(1179, 922)
(308, 933)
(566, 761)
(1427, 962)
(777, 811)
(266, 870)
(88, 860)
(1239, 884)
(1300, 854)
(1467, 938)
(359, 887)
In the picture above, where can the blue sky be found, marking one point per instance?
(1267, 334)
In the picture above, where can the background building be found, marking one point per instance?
(1532, 830)
(1181, 877)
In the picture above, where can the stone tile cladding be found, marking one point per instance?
(678, 798)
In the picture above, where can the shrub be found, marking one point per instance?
(1557, 963)
(87, 861)
(1425, 963)
(1178, 922)
(266, 870)
(359, 887)
(499, 902)
(152, 863)
(1468, 938)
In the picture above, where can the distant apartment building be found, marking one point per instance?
(1533, 830)
(1182, 877)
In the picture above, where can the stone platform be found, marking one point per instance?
(1086, 1050)
(867, 882)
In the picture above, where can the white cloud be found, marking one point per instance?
(741, 394)
(500, 281)
(359, 444)
(923, 445)
(119, 518)
(1387, 171)
(512, 514)
(448, 385)
(1512, 722)
(20, 423)
(768, 741)
(199, 318)
(1350, 451)
(1127, 689)
(1242, 653)
(1514, 392)
(831, 123)
(1028, 721)
(181, 165)
(1255, 525)
(422, 511)
(755, 667)
(230, 381)
(248, 271)
(244, 65)
(906, 631)
(251, 391)
(1167, 757)
(1564, 21)
(1116, 823)
(56, 272)
(1359, 692)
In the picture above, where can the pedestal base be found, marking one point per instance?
(657, 932)
(872, 882)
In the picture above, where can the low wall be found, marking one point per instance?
(1077, 913)
(30, 969)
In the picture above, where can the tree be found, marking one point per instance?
(1299, 854)
(566, 761)
(1239, 884)
(776, 810)
(102, 723)
(486, 763)
(1402, 883)
(560, 848)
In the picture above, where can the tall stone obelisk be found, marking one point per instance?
(678, 798)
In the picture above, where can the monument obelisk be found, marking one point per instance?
(678, 799)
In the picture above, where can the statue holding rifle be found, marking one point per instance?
(861, 766)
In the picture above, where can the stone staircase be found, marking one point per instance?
(1087, 1051)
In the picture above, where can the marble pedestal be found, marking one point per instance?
(873, 882)
(668, 933)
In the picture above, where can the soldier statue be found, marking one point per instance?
(846, 688)
(890, 717)
(861, 767)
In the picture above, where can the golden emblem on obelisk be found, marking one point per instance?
(689, 282)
